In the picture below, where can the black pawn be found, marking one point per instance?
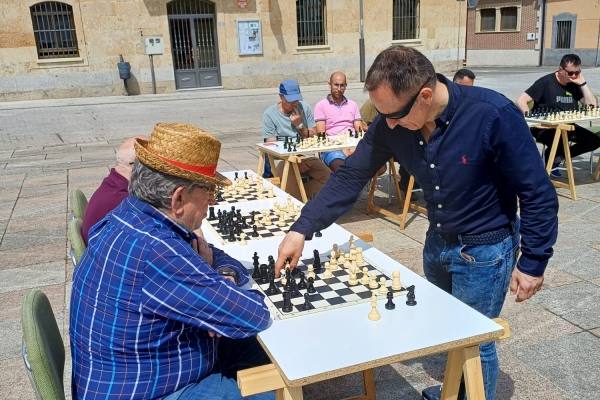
(318, 234)
(295, 148)
(288, 280)
(306, 305)
(294, 288)
(390, 301)
(410, 297)
(287, 302)
(219, 197)
(245, 174)
(211, 215)
(302, 283)
(254, 231)
(231, 237)
(264, 274)
(272, 290)
(311, 288)
(236, 176)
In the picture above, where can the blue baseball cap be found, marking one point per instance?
(290, 90)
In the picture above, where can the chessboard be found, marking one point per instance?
(555, 116)
(242, 189)
(324, 282)
(318, 143)
(240, 226)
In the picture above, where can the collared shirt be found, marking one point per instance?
(480, 163)
(143, 304)
(338, 118)
(275, 123)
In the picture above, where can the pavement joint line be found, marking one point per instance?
(581, 329)
(13, 209)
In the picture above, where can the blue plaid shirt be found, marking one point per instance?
(143, 303)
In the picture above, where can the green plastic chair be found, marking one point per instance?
(43, 350)
(78, 203)
(76, 240)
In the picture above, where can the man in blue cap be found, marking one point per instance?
(290, 117)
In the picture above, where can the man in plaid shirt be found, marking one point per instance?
(156, 313)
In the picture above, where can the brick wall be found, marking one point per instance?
(503, 40)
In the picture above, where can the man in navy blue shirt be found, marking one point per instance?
(472, 153)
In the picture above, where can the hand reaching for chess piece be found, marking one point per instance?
(291, 247)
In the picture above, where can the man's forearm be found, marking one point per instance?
(588, 96)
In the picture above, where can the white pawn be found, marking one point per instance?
(373, 281)
(327, 274)
(383, 286)
(352, 281)
(364, 280)
(359, 256)
(310, 271)
(374, 314)
(396, 284)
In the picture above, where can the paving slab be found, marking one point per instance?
(570, 210)
(33, 254)
(578, 303)
(554, 277)
(36, 275)
(570, 362)
(14, 384)
(40, 206)
(586, 266)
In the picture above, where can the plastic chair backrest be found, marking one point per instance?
(43, 350)
(78, 203)
(76, 240)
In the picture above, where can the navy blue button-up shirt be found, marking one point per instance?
(479, 165)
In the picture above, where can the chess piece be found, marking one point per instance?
(231, 237)
(236, 176)
(211, 215)
(359, 256)
(306, 305)
(310, 271)
(302, 284)
(396, 284)
(390, 301)
(364, 280)
(272, 289)
(318, 234)
(311, 288)
(294, 287)
(317, 261)
(410, 297)
(264, 277)
(287, 302)
(352, 281)
(374, 314)
(332, 256)
(327, 274)
(373, 281)
(288, 276)
(254, 231)
(383, 286)
(283, 280)
(255, 264)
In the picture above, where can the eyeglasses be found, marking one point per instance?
(210, 190)
(406, 109)
(339, 85)
(572, 73)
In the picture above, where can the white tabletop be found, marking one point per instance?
(332, 343)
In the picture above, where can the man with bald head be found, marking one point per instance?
(336, 114)
(112, 190)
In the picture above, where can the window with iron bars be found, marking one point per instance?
(54, 30)
(406, 19)
(312, 22)
(563, 35)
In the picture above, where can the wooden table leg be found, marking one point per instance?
(298, 177)
(553, 149)
(569, 164)
(260, 168)
(465, 362)
(289, 393)
(407, 197)
(395, 179)
(285, 174)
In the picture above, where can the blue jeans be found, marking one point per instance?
(215, 387)
(329, 156)
(234, 355)
(478, 276)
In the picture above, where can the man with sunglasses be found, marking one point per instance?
(561, 90)
(472, 153)
(336, 114)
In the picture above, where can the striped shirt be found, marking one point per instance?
(143, 303)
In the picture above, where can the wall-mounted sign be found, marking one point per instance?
(242, 3)
(250, 37)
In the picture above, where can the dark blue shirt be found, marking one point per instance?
(479, 165)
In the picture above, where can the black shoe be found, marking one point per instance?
(432, 393)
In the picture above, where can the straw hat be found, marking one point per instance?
(183, 151)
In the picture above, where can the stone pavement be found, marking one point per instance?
(48, 148)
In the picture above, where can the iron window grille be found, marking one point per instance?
(406, 19)
(311, 16)
(563, 34)
(54, 30)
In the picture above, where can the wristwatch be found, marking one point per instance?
(227, 271)
(583, 84)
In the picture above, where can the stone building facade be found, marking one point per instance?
(221, 43)
(532, 32)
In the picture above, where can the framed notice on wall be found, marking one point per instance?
(250, 37)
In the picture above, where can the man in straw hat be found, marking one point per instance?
(154, 315)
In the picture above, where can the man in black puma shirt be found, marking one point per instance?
(562, 90)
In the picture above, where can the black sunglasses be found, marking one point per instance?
(406, 109)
